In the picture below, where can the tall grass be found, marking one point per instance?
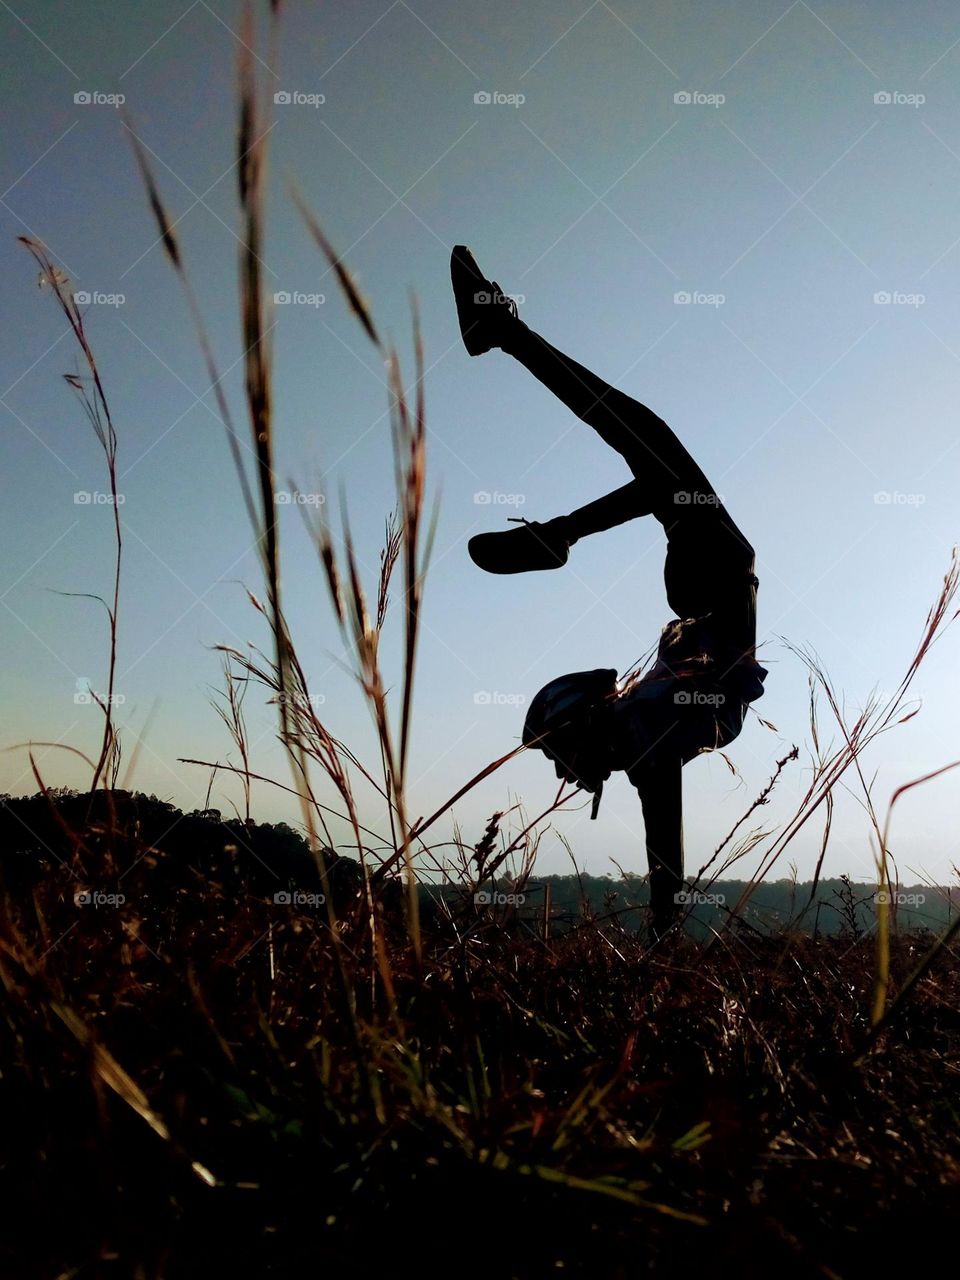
(90, 392)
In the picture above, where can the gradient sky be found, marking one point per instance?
(598, 198)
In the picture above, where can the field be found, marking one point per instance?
(201, 1080)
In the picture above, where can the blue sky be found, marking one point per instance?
(783, 197)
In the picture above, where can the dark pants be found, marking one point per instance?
(709, 567)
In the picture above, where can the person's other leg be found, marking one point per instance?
(545, 546)
(629, 502)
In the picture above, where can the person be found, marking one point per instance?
(695, 697)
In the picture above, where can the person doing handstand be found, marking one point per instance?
(695, 696)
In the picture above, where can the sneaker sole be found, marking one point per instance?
(477, 546)
(466, 278)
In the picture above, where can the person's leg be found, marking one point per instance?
(660, 463)
(488, 318)
(709, 564)
(629, 502)
(545, 546)
(663, 469)
(660, 790)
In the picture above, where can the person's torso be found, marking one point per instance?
(702, 647)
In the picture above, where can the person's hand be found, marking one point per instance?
(563, 768)
(569, 769)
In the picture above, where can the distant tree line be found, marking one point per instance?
(269, 859)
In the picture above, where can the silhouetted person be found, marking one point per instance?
(695, 696)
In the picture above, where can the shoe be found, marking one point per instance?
(484, 311)
(532, 546)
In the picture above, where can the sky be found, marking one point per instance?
(742, 214)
